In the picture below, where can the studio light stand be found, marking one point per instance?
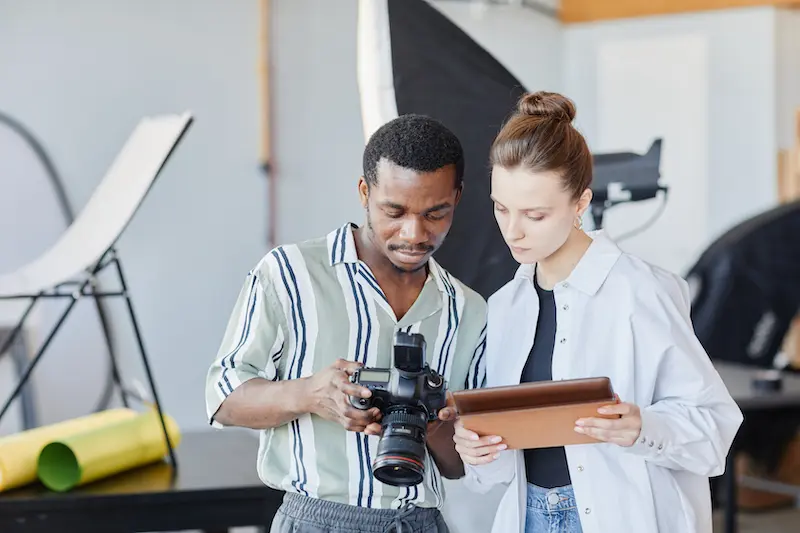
(623, 177)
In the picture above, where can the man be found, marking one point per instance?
(309, 314)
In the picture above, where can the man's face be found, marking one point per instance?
(409, 213)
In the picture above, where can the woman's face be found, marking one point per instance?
(535, 213)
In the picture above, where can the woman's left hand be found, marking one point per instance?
(622, 431)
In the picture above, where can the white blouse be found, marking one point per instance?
(620, 317)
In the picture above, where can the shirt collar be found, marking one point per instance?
(593, 268)
(342, 249)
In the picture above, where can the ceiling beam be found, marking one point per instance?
(573, 11)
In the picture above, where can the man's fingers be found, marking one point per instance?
(446, 414)
(359, 416)
(351, 389)
(373, 429)
(347, 366)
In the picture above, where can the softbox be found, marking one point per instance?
(413, 59)
(746, 288)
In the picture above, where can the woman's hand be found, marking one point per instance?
(475, 450)
(622, 431)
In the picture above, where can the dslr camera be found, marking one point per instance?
(409, 396)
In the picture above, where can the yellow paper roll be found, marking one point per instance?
(20, 452)
(91, 455)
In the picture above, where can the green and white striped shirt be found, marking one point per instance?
(306, 305)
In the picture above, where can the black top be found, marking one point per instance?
(545, 467)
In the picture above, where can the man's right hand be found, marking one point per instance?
(328, 392)
(473, 449)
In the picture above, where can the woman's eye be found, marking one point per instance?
(499, 209)
(536, 219)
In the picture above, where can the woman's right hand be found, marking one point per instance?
(476, 450)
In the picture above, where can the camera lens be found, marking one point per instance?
(400, 460)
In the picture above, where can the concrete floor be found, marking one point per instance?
(784, 521)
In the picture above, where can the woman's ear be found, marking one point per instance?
(584, 201)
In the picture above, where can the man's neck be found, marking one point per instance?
(562, 262)
(400, 288)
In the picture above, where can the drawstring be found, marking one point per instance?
(400, 520)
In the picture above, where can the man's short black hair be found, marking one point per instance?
(415, 142)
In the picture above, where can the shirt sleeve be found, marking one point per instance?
(692, 420)
(476, 376)
(252, 344)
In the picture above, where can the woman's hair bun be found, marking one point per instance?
(544, 104)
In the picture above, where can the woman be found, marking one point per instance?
(580, 307)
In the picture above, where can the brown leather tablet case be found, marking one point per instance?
(535, 415)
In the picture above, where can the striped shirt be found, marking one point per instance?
(304, 306)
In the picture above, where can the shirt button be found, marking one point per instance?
(580, 468)
(563, 340)
(587, 510)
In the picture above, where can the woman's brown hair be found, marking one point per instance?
(540, 137)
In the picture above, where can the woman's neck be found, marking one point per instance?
(558, 266)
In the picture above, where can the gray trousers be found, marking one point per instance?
(301, 514)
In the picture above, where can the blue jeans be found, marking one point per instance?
(552, 511)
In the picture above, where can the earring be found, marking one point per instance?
(579, 222)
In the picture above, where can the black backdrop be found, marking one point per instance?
(441, 72)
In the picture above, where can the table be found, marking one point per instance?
(738, 380)
(216, 488)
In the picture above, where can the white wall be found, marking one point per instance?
(739, 88)
(533, 55)
(788, 75)
(80, 76)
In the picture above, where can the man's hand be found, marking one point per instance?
(328, 393)
(622, 431)
(446, 414)
(476, 450)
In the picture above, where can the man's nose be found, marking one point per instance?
(412, 230)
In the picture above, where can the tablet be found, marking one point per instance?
(540, 414)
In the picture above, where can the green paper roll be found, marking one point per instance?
(102, 452)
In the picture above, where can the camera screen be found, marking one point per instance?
(374, 375)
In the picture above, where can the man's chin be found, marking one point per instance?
(409, 263)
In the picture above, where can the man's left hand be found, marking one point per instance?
(622, 431)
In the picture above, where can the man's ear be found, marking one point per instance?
(459, 192)
(363, 191)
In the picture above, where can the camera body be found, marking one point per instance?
(409, 395)
(409, 383)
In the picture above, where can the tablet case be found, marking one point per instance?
(535, 415)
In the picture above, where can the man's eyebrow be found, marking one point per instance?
(439, 207)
